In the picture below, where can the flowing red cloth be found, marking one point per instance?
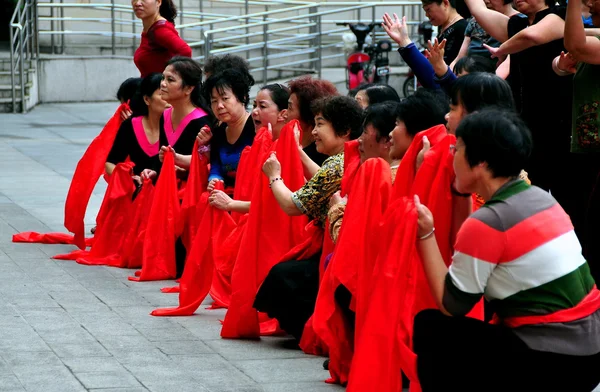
(351, 164)
(195, 186)
(270, 233)
(163, 227)
(398, 287)
(114, 218)
(199, 267)
(133, 246)
(89, 169)
(47, 238)
(352, 262)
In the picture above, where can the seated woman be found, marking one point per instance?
(375, 93)
(290, 290)
(228, 92)
(126, 91)
(138, 136)
(180, 124)
(270, 108)
(303, 92)
(544, 297)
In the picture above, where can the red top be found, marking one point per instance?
(159, 44)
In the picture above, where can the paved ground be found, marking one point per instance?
(66, 327)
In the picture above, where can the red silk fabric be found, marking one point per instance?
(270, 233)
(163, 227)
(47, 238)
(195, 186)
(89, 169)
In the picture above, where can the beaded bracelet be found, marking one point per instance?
(275, 179)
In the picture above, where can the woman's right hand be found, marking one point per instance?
(204, 136)
(125, 114)
(421, 154)
(148, 174)
(435, 55)
(396, 29)
(212, 183)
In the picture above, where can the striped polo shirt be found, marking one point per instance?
(521, 253)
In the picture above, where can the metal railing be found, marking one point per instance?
(24, 47)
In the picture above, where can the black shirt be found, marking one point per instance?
(314, 155)
(454, 36)
(134, 144)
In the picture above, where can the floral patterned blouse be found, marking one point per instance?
(585, 135)
(313, 198)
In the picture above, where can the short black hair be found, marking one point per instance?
(280, 94)
(344, 114)
(422, 110)
(379, 93)
(229, 79)
(149, 85)
(128, 88)
(217, 64)
(382, 116)
(438, 2)
(478, 90)
(472, 64)
(497, 137)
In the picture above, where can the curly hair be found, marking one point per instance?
(218, 64)
(308, 90)
(228, 79)
(344, 114)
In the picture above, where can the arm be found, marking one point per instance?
(503, 69)
(222, 201)
(183, 161)
(310, 167)
(549, 29)
(109, 167)
(580, 46)
(166, 36)
(592, 32)
(464, 49)
(495, 23)
(272, 169)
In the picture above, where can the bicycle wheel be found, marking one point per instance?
(408, 87)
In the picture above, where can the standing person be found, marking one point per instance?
(452, 26)
(160, 41)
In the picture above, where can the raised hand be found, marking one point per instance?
(435, 55)
(204, 136)
(397, 29)
(272, 167)
(424, 150)
(424, 220)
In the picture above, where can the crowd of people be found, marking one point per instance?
(447, 239)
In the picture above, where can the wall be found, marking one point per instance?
(75, 79)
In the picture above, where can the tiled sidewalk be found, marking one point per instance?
(68, 327)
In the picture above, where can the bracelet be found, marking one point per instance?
(560, 71)
(275, 179)
(457, 193)
(427, 235)
(203, 149)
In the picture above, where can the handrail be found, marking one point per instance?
(23, 46)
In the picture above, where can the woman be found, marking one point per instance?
(303, 92)
(547, 307)
(160, 41)
(229, 95)
(181, 123)
(216, 64)
(583, 60)
(270, 108)
(290, 290)
(451, 26)
(138, 136)
(375, 93)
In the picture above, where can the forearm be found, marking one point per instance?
(556, 68)
(183, 161)
(503, 69)
(435, 269)
(309, 166)
(516, 44)
(419, 64)
(284, 197)
(242, 207)
(592, 32)
(109, 167)
(494, 23)
(575, 35)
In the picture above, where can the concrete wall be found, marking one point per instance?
(73, 79)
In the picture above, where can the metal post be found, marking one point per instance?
(207, 45)
(373, 16)
(247, 11)
(133, 41)
(112, 27)
(22, 72)
(319, 47)
(181, 32)
(36, 30)
(12, 70)
(265, 50)
(52, 28)
(62, 28)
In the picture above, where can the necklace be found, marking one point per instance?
(456, 18)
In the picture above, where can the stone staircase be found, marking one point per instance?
(30, 84)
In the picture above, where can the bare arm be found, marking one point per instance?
(464, 50)
(242, 207)
(580, 46)
(109, 167)
(503, 69)
(495, 23)
(592, 32)
(309, 166)
(549, 29)
(284, 198)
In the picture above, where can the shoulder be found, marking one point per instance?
(161, 26)
(334, 162)
(558, 10)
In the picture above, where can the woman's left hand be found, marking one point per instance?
(494, 53)
(272, 167)
(435, 54)
(220, 200)
(425, 218)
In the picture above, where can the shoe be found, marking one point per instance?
(93, 230)
(326, 364)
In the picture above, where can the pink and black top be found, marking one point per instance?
(131, 141)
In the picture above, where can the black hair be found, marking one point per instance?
(421, 111)
(280, 94)
(497, 137)
(363, 86)
(379, 93)
(472, 64)
(149, 85)
(478, 90)
(190, 72)
(168, 10)
(344, 114)
(128, 88)
(216, 64)
(438, 2)
(382, 116)
(229, 79)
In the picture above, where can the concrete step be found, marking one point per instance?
(6, 105)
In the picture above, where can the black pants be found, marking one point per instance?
(464, 354)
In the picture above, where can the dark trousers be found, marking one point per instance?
(464, 354)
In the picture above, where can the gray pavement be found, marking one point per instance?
(66, 327)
